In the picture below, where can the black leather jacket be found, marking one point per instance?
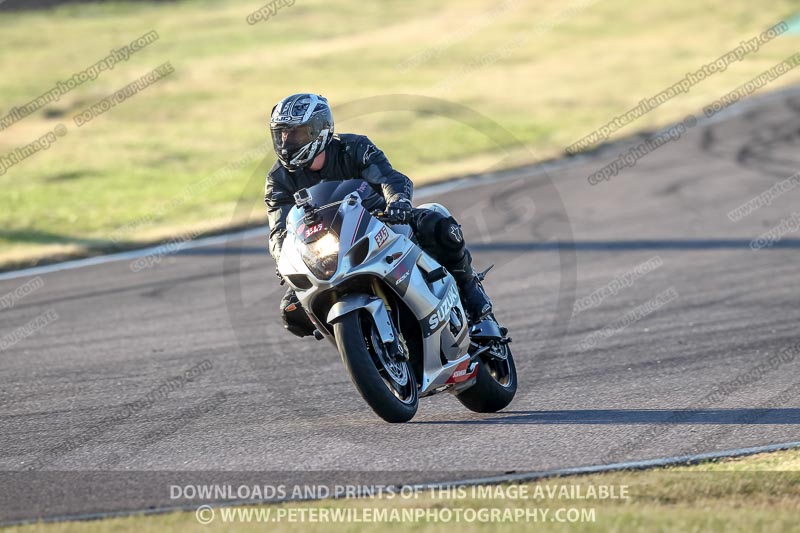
(348, 156)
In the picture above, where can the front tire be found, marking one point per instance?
(393, 399)
(495, 385)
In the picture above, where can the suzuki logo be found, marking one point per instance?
(443, 311)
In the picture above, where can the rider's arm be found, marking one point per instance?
(279, 202)
(375, 168)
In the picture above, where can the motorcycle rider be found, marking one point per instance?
(308, 153)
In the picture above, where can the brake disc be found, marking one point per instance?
(397, 370)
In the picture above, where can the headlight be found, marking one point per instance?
(322, 256)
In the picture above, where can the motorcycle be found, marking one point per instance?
(393, 312)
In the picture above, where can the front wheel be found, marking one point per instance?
(388, 386)
(496, 383)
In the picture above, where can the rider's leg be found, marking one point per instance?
(294, 317)
(440, 235)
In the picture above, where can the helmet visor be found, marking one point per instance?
(289, 139)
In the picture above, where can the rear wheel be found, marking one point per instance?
(388, 386)
(496, 382)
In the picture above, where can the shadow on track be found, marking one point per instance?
(637, 416)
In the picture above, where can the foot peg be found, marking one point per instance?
(482, 275)
(318, 335)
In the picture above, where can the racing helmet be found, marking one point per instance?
(302, 127)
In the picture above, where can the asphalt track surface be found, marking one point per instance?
(691, 376)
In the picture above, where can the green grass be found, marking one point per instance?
(561, 83)
(757, 493)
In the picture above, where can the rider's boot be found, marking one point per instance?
(294, 317)
(475, 300)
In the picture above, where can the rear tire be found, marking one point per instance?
(495, 386)
(353, 333)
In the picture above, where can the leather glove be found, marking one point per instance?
(399, 211)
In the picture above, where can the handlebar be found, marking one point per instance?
(384, 217)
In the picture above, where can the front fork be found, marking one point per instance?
(398, 350)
